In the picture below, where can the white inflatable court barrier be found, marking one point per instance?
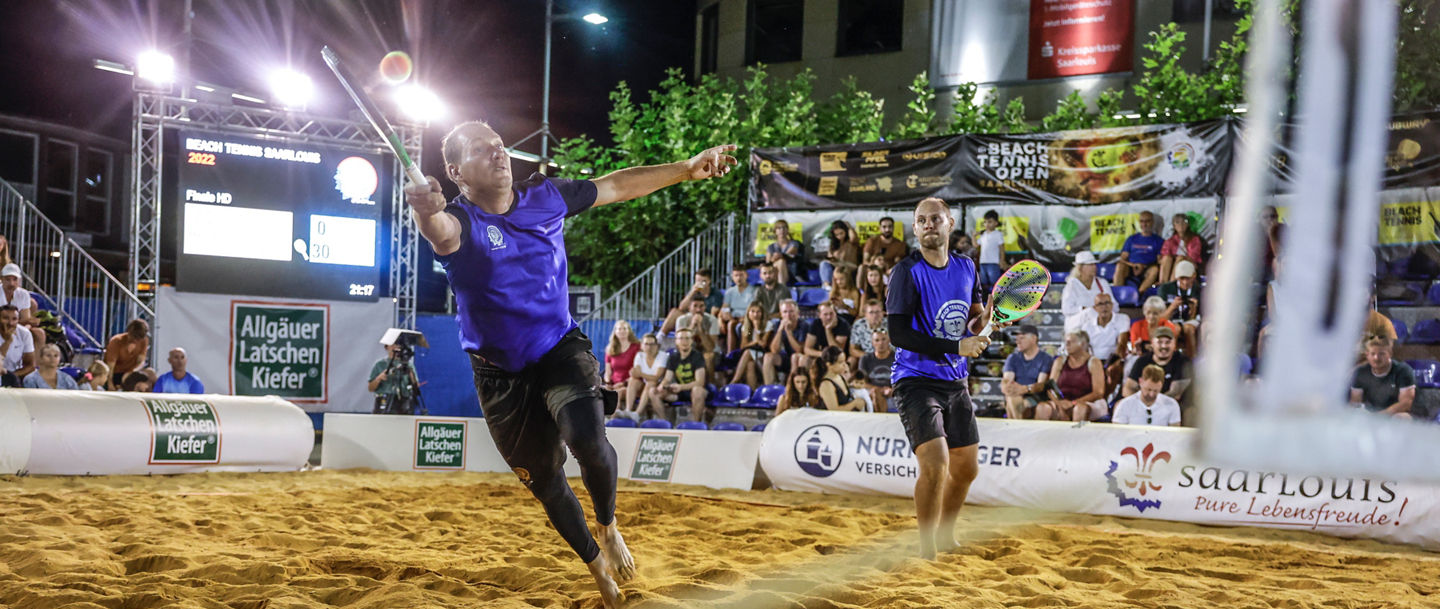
(717, 459)
(1115, 470)
(107, 433)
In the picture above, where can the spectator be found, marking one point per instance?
(770, 292)
(1140, 256)
(392, 380)
(1079, 383)
(992, 251)
(1080, 290)
(864, 327)
(799, 392)
(786, 340)
(5, 251)
(874, 368)
(874, 286)
(706, 329)
(620, 352)
(1182, 298)
(1377, 324)
(1177, 367)
(834, 387)
(17, 347)
(47, 374)
(125, 352)
(784, 255)
(177, 380)
(99, 377)
(1148, 406)
(884, 250)
(844, 252)
(827, 330)
(1383, 385)
(735, 300)
(752, 345)
(962, 245)
(22, 300)
(844, 297)
(1140, 332)
(650, 367)
(1274, 231)
(136, 381)
(1107, 330)
(702, 290)
(1027, 371)
(1182, 245)
(685, 375)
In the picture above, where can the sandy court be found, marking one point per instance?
(379, 539)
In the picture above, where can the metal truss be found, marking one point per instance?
(156, 112)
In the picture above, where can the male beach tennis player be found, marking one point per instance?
(502, 245)
(934, 295)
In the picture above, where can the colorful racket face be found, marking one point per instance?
(1017, 293)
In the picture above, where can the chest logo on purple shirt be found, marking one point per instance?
(497, 239)
(950, 319)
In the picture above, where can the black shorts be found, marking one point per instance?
(521, 408)
(932, 409)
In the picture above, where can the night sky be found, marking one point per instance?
(483, 57)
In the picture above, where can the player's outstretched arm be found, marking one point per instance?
(442, 230)
(634, 182)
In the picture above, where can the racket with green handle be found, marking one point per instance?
(1017, 293)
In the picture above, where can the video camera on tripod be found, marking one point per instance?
(401, 363)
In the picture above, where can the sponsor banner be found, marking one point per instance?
(316, 354)
(874, 174)
(1117, 470)
(655, 457)
(1053, 234)
(1099, 165)
(440, 444)
(1074, 38)
(1412, 152)
(183, 431)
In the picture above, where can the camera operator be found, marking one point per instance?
(1182, 299)
(392, 380)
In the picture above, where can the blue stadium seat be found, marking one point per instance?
(807, 277)
(1246, 365)
(74, 372)
(1126, 296)
(655, 424)
(621, 422)
(1426, 332)
(754, 274)
(692, 425)
(1433, 296)
(1427, 373)
(758, 427)
(733, 395)
(728, 426)
(1059, 276)
(812, 298)
(1401, 330)
(766, 396)
(1106, 270)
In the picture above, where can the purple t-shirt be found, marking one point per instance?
(938, 303)
(1143, 250)
(510, 276)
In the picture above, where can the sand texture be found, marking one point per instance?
(385, 540)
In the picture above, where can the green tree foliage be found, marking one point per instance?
(919, 119)
(1417, 56)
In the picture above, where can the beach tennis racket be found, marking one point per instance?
(1017, 293)
(372, 113)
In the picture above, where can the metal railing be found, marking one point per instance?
(91, 301)
(651, 295)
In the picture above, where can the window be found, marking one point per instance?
(709, 38)
(17, 158)
(60, 164)
(773, 31)
(869, 26)
(1193, 11)
(98, 187)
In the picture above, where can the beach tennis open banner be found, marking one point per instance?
(316, 354)
(1115, 470)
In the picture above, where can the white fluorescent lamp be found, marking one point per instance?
(155, 67)
(595, 18)
(111, 66)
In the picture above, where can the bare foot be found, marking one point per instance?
(609, 592)
(612, 545)
(946, 543)
(927, 547)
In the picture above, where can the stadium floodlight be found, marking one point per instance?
(155, 67)
(595, 18)
(420, 104)
(291, 89)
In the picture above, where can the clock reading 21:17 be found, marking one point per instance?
(285, 219)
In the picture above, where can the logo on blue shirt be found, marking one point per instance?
(950, 319)
(497, 239)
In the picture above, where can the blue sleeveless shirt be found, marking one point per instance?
(938, 303)
(510, 275)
